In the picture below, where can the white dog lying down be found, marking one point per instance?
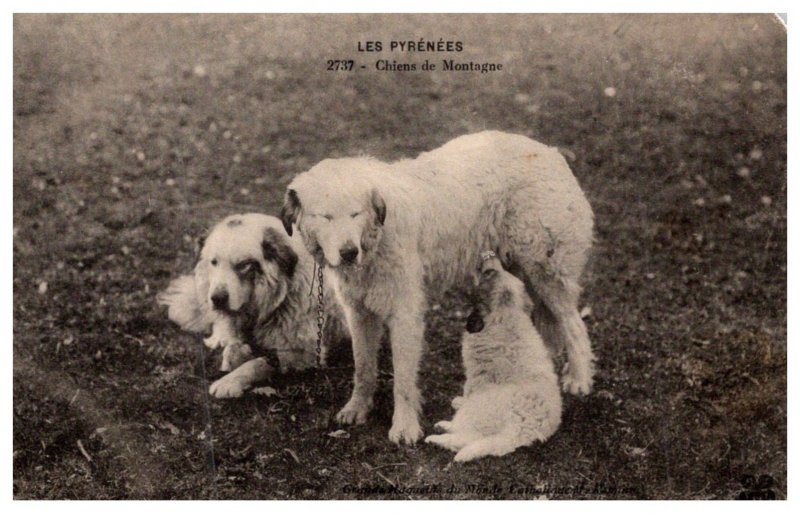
(511, 396)
(252, 284)
(389, 232)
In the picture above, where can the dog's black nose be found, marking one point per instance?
(349, 254)
(220, 300)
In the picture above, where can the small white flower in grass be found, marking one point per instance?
(726, 199)
(266, 149)
(339, 433)
(766, 200)
(635, 451)
(125, 250)
(699, 202)
(244, 191)
(743, 71)
(265, 391)
(269, 74)
(170, 182)
(140, 156)
(522, 98)
(227, 135)
(650, 276)
(200, 71)
(743, 172)
(756, 154)
(42, 287)
(757, 86)
(610, 91)
(237, 158)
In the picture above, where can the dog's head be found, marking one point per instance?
(497, 293)
(245, 265)
(339, 214)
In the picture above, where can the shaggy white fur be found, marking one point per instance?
(261, 281)
(511, 396)
(387, 231)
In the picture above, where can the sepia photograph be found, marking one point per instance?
(399, 256)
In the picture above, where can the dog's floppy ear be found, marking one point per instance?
(289, 210)
(199, 242)
(275, 249)
(379, 206)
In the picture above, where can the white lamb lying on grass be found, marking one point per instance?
(511, 395)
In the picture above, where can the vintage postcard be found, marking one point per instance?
(399, 256)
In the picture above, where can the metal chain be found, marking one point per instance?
(320, 315)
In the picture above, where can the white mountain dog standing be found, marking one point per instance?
(386, 232)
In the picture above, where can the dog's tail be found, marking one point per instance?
(183, 306)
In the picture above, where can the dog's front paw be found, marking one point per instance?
(213, 341)
(354, 412)
(457, 402)
(228, 387)
(577, 381)
(405, 428)
(443, 425)
(234, 355)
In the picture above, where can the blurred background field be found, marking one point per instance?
(132, 133)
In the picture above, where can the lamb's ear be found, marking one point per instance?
(275, 249)
(379, 206)
(291, 204)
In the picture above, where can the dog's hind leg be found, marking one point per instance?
(453, 441)
(561, 299)
(494, 445)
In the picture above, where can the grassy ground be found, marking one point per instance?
(132, 133)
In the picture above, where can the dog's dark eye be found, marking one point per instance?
(247, 267)
(214, 262)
